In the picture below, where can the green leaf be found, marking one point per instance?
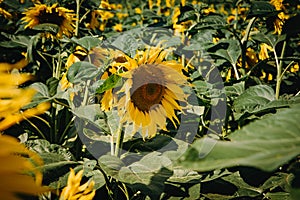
(232, 53)
(111, 165)
(19, 41)
(57, 161)
(257, 99)
(211, 21)
(266, 144)
(112, 81)
(146, 175)
(80, 71)
(182, 175)
(243, 188)
(87, 42)
(42, 90)
(261, 9)
(235, 90)
(47, 27)
(279, 196)
(269, 39)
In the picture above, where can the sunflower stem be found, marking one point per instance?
(119, 142)
(279, 69)
(77, 17)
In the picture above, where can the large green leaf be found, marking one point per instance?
(88, 42)
(146, 175)
(265, 144)
(261, 9)
(232, 53)
(269, 38)
(257, 99)
(80, 71)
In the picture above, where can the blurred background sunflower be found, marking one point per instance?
(43, 14)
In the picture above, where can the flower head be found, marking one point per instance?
(41, 13)
(152, 91)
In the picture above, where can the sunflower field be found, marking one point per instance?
(156, 99)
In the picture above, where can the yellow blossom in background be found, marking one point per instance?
(94, 23)
(209, 10)
(16, 163)
(266, 76)
(75, 191)
(215, 40)
(176, 14)
(118, 27)
(170, 3)
(116, 6)
(104, 13)
(264, 48)
(41, 13)
(151, 91)
(230, 19)
(5, 13)
(150, 4)
(138, 11)
(121, 15)
(294, 68)
(281, 17)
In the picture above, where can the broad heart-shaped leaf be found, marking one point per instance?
(88, 42)
(235, 90)
(269, 39)
(257, 99)
(232, 53)
(80, 71)
(265, 144)
(148, 175)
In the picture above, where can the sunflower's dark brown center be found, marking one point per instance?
(147, 96)
(52, 18)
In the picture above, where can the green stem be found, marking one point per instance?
(236, 71)
(244, 41)
(86, 93)
(279, 69)
(77, 17)
(119, 142)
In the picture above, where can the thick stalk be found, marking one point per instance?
(279, 70)
(119, 142)
(77, 17)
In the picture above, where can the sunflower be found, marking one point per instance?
(41, 13)
(151, 92)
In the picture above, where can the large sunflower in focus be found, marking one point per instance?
(151, 92)
(41, 13)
